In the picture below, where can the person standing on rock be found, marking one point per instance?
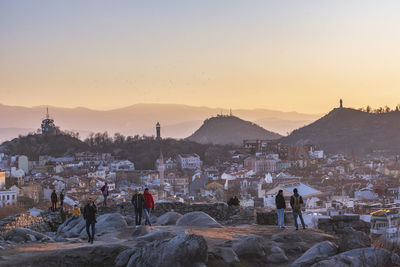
(104, 190)
(53, 200)
(148, 204)
(295, 202)
(138, 201)
(62, 199)
(280, 208)
(89, 214)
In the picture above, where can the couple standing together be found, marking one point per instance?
(295, 202)
(143, 202)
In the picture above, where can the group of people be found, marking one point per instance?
(54, 200)
(234, 201)
(142, 203)
(296, 202)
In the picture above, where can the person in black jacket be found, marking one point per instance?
(89, 214)
(280, 208)
(62, 199)
(138, 201)
(296, 201)
(54, 200)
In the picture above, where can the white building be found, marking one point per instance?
(23, 163)
(8, 198)
(189, 161)
(124, 165)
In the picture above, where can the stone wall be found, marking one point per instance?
(47, 222)
(271, 218)
(219, 211)
(336, 224)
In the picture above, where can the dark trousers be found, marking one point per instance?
(138, 216)
(53, 206)
(295, 214)
(88, 224)
(105, 200)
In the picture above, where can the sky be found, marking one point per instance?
(285, 55)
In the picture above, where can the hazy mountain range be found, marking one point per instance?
(178, 121)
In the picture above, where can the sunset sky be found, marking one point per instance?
(284, 55)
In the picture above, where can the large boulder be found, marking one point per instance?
(197, 218)
(228, 255)
(276, 255)
(25, 235)
(318, 252)
(156, 235)
(366, 257)
(182, 250)
(168, 218)
(107, 222)
(352, 239)
(249, 246)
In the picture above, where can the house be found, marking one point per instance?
(189, 161)
(8, 198)
(261, 164)
(121, 166)
(198, 184)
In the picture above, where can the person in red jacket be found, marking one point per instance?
(148, 204)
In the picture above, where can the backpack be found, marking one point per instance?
(296, 204)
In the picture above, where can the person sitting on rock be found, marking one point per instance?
(89, 214)
(295, 202)
(138, 201)
(76, 213)
(148, 204)
(280, 208)
(53, 200)
(235, 201)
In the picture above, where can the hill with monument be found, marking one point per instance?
(224, 130)
(351, 131)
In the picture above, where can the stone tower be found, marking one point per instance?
(341, 103)
(158, 131)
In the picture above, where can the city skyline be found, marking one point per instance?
(286, 56)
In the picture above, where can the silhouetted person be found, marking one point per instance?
(53, 200)
(295, 202)
(62, 199)
(138, 202)
(280, 208)
(89, 214)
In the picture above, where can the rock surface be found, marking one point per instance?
(318, 252)
(352, 239)
(366, 257)
(277, 255)
(24, 235)
(197, 218)
(169, 218)
(249, 246)
(182, 250)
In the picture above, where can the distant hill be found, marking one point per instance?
(177, 121)
(225, 130)
(351, 131)
(34, 145)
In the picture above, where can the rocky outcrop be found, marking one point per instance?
(182, 250)
(366, 257)
(197, 218)
(19, 235)
(318, 252)
(277, 255)
(168, 218)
